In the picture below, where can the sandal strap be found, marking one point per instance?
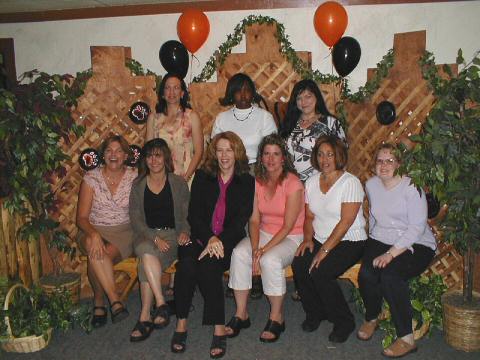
(179, 339)
(219, 342)
(274, 327)
(144, 327)
(104, 308)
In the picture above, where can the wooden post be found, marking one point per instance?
(3, 246)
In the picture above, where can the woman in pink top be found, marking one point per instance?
(102, 216)
(276, 230)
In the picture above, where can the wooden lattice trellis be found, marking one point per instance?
(103, 109)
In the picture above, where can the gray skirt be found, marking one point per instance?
(149, 247)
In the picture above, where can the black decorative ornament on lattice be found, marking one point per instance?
(386, 113)
(139, 112)
(89, 159)
(136, 155)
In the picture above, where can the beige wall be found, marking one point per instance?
(63, 46)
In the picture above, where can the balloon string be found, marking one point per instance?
(191, 67)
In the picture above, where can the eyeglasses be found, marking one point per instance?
(388, 162)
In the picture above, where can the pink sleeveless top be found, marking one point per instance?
(108, 209)
(178, 137)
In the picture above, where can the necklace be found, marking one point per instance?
(245, 118)
(305, 123)
(112, 181)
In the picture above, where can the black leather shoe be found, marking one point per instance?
(339, 336)
(309, 325)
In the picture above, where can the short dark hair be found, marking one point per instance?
(235, 84)
(151, 147)
(273, 139)
(161, 106)
(123, 143)
(339, 148)
(293, 112)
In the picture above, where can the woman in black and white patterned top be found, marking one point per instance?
(306, 120)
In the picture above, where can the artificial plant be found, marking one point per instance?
(446, 156)
(35, 120)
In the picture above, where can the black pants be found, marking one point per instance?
(391, 282)
(320, 293)
(208, 273)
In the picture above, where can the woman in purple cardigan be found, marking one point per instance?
(400, 247)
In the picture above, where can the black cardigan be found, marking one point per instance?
(203, 199)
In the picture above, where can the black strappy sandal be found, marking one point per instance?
(218, 342)
(179, 339)
(275, 328)
(120, 313)
(99, 320)
(237, 324)
(163, 312)
(145, 328)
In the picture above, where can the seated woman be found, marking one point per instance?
(220, 205)
(400, 247)
(158, 213)
(251, 123)
(102, 216)
(276, 228)
(334, 234)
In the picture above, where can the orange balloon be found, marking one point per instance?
(330, 22)
(193, 28)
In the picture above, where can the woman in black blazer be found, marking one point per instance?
(221, 203)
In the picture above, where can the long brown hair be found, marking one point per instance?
(260, 171)
(210, 166)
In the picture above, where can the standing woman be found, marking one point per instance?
(334, 238)
(400, 247)
(178, 124)
(158, 213)
(306, 120)
(246, 119)
(220, 205)
(251, 123)
(276, 230)
(102, 216)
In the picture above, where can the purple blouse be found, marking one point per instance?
(219, 214)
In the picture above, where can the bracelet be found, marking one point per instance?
(389, 253)
(155, 240)
(324, 250)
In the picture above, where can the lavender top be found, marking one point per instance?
(398, 216)
(219, 213)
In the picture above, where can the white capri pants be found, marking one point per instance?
(272, 264)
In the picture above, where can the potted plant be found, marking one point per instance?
(446, 160)
(35, 121)
(30, 316)
(425, 295)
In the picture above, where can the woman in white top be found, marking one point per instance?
(250, 122)
(400, 247)
(334, 234)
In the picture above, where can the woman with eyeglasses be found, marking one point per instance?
(400, 247)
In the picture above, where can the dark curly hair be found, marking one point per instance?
(161, 107)
(293, 112)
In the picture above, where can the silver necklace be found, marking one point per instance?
(245, 118)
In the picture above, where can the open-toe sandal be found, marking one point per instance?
(399, 348)
(162, 312)
(145, 328)
(275, 328)
(218, 342)
(119, 313)
(178, 344)
(99, 320)
(367, 329)
(237, 324)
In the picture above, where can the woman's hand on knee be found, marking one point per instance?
(383, 260)
(183, 239)
(95, 246)
(317, 259)
(162, 244)
(213, 248)
(306, 244)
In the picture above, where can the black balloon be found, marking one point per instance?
(386, 113)
(346, 55)
(433, 206)
(174, 58)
